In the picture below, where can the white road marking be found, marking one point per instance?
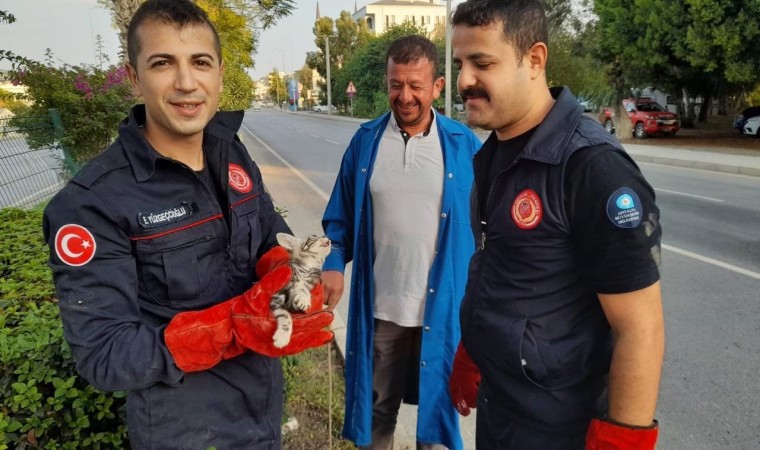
(332, 142)
(298, 173)
(690, 195)
(714, 262)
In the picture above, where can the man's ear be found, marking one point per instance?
(438, 86)
(221, 76)
(536, 58)
(133, 80)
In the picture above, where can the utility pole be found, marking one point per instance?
(327, 63)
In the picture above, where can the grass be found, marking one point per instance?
(307, 399)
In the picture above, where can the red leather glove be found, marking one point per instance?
(605, 435)
(199, 340)
(464, 382)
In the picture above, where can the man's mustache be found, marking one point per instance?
(473, 92)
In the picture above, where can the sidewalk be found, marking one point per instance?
(697, 158)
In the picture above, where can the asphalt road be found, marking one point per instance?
(710, 396)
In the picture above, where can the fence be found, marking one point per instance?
(30, 174)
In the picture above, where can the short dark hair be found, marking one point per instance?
(524, 21)
(180, 13)
(413, 48)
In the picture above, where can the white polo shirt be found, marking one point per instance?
(406, 188)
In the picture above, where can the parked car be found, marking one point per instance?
(744, 116)
(323, 108)
(751, 126)
(647, 117)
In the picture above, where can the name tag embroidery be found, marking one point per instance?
(166, 216)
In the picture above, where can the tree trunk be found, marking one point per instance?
(121, 13)
(704, 110)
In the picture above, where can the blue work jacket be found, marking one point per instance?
(348, 223)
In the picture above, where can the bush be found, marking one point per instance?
(45, 404)
(91, 102)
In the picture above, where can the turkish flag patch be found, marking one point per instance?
(74, 245)
(239, 179)
(527, 210)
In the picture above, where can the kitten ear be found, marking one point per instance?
(286, 240)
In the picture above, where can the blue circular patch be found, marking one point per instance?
(624, 208)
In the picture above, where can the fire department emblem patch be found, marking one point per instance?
(239, 179)
(74, 245)
(527, 210)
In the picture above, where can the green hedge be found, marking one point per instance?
(44, 403)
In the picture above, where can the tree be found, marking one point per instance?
(306, 78)
(7, 17)
(121, 13)
(277, 89)
(237, 45)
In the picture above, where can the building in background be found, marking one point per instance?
(384, 14)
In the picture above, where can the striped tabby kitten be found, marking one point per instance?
(306, 258)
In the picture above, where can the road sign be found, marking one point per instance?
(351, 90)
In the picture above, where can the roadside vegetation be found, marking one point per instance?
(702, 54)
(45, 404)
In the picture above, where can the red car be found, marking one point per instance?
(647, 118)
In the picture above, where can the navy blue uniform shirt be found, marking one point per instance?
(570, 217)
(136, 238)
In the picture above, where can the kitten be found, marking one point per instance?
(306, 258)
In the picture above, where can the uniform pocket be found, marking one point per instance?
(508, 345)
(174, 270)
(247, 233)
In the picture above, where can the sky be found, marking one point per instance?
(69, 27)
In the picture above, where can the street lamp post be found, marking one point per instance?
(283, 71)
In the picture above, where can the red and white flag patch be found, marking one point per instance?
(74, 245)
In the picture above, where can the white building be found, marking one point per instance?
(384, 14)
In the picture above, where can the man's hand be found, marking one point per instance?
(464, 382)
(332, 282)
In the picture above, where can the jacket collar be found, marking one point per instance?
(142, 156)
(441, 123)
(552, 135)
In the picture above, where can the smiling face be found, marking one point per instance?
(412, 88)
(500, 91)
(178, 74)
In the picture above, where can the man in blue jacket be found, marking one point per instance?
(155, 247)
(399, 212)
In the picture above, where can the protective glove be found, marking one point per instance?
(606, 435)
(199, 340)
(464, 382)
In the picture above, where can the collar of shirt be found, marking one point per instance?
(395, 127)
(142, 156)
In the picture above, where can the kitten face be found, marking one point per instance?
(311, 250)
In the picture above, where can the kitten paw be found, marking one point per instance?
(281, 338)
(302, 302)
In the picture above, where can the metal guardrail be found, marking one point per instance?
(29, 175)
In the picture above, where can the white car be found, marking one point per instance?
(752, 125)
(323, 108)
